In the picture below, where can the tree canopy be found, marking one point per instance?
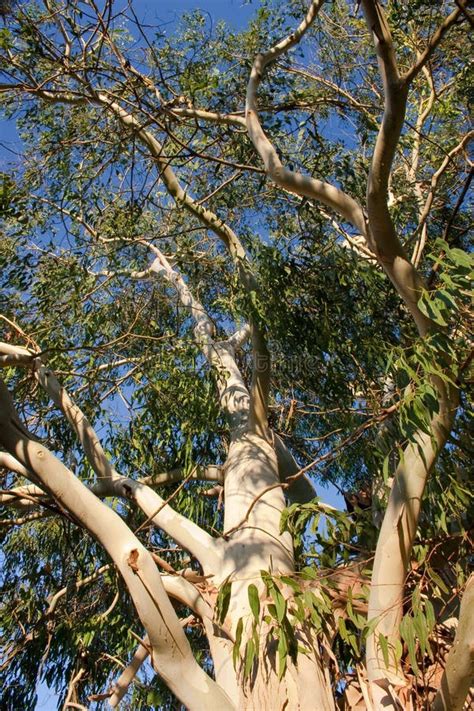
(235, 272)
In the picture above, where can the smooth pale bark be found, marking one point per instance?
(295, 182)
(254, 502)
(220, 646)
(399, 525)
(186, 533)
(300, 490)
(382, 237)
(172, 654)
(458, 676)
(78, 421)
(396, 538)
(120, 687)
(22, 497)
(251, 526)
(9, 462)
(111, 483)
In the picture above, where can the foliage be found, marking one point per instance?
(352, 381)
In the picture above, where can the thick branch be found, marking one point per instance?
(300, 489)
(382, 236)
(9, 462)
(172, 655)
(120, 687)
(186, 533)
(178, 588)
(458, 675)
(80, 424)
(260, 387)
(397, 534)
(110, 483)
(234, 395)
(294, 182)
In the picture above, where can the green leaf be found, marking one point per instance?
(282, 654)
(407, 631)
(430, 616)
(223, 601)
(459, 257)
(254, 600)
(280, 604)
(249, 657)
(238, 640)
(341, 625)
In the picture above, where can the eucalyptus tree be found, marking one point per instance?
(234, 269)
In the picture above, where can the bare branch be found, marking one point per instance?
(120, 687)
(382, 237)
(260, 386)
(111, 483)
(294, 182)
(211, 116)
(180, 589)
(9, 462)
(80, 424)
(300, 489)
(172, 656)
(75, 679)
(234, 395)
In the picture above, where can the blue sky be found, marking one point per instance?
(164, 13)
(235, 13)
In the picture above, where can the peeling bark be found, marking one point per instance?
(458, 676)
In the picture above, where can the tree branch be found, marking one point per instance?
(398, 532)
(458, 675)
(178, 588)
(434, 41)
(110, 483)
(297, 183)
(9, 462)
(234, 395)
(382, 236)
(22, 497)
(120, 687)
(171, 653)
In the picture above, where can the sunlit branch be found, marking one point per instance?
(172, 655)
(458, 674)
(295, 182)
(111, 483)
(120, 687)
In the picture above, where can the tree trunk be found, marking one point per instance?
(254, 503)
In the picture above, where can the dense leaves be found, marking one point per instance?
(351, 380)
